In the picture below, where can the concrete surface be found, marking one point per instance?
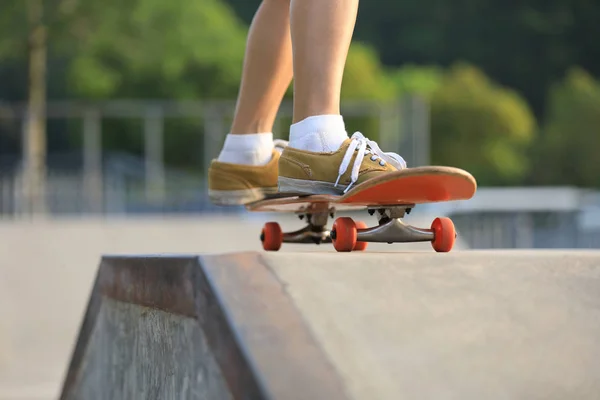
(413, 325)
(167, 357)
(502, 325)
(47, 270)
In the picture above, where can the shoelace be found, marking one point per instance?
(364, 146)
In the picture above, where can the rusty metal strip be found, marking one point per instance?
(162, 282)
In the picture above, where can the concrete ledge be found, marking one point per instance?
(420, 325)
(257, 345)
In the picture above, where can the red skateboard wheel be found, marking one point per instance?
(444, 234)
(360, 246)
(271, 236)
(343, 234)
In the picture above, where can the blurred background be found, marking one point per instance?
(116, 109)
(110, 112)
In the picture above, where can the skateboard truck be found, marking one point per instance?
(392, 229)
(314, 232)
(348, 235)
(308, 234)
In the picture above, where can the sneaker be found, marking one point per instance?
(357, 160)
(237, 184)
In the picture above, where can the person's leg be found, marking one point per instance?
(321, 35)
(267, 69)
(321, 158)
(246, 169)
(266, 75)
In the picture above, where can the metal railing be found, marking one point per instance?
(108, 184)
(97, 187)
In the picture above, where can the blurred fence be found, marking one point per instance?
(94, 181)
(526, 218)
(100, 182)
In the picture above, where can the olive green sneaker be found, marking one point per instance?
(357, 159)
(239, 184)
(236, 184)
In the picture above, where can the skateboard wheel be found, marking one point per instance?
(360, 246)
(271, 236)
(444, 234)
(343, 234)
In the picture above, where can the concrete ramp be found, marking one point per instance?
(463, 325)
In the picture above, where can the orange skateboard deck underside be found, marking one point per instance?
(410, 186)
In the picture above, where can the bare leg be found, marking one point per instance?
(321, 35)
(321, 158)
(318, 157)
(267, 69)
(246, 169)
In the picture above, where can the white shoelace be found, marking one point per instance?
(364, 146)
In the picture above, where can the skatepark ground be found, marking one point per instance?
(181, 307)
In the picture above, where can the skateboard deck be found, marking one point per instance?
(390, 196)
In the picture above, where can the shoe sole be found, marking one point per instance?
(303, 186)
(239, 197)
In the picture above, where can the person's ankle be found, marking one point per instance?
(247, 149)
(319, 133)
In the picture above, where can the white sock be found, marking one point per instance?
(249, 149)
(322, 133)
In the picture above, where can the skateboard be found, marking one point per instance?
(388, 196)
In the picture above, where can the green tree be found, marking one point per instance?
(567, 153)
(365, 79)
(481, 127)
(156, 49)
(159, 50)
(26, 29)
(420, 80)
(526, 45)
(364, 76)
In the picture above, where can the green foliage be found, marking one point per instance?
(157, 49)
(505, 39)
(13, 28)
(420, 80)
(568, 150)
(480, 126)
(364, 76)
(152, 49)
(365, 79)
(182, 49)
